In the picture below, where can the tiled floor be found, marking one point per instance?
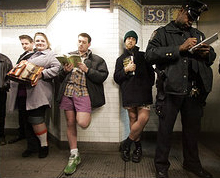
(98, 162)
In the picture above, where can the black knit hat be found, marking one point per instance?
(195, 8)
(131, 34)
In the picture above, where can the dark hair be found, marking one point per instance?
(43, 35)
(86, 35)
(21, 37)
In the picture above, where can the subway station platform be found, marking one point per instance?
(101, 160)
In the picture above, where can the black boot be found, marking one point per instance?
(201, 172)
(125, 149)
(137, 153)
(43, 152)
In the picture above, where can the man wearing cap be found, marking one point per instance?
(184, 80)
(135, 78)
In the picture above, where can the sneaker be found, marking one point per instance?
(74, 160)
(2, 141)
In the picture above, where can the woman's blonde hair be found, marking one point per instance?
(44, 36)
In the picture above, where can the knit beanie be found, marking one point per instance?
(131, 34)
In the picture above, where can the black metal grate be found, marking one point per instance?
(100, 4)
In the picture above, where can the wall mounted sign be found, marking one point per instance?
(159, 14)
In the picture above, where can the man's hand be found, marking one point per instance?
(68, 67)
(202, 50)
(83, 67)
(189, 43)
(130, 67)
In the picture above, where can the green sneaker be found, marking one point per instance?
(74, 160)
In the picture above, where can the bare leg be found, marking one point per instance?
(138, 119)
(39, 127)
(83, 119)
(71, 128)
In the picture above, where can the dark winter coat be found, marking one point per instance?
(5, 67)
(163, 50)
(96, 75)
(136, 89)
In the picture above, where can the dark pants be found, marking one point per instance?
(3, 98)
(25, 128)
(22, 115)
(35, 116)
(191, 112)
(33, 142)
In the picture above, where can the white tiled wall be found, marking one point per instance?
(103, 28)
(110, 122)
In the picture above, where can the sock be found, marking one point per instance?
(128, 142)
(74, 151)
(137, 144)
(42, 136)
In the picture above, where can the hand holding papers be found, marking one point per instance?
(207, 41)
(129, 65)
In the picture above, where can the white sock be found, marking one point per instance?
(42, 136)
(74, 151)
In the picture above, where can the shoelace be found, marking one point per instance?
(71, 160)
(138, 151)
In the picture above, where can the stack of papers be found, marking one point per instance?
(207, 41)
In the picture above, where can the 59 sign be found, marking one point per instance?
(155, 15)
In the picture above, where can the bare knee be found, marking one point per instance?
(83, 119)
(143, 120)
(84, 123)
(71, 123)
